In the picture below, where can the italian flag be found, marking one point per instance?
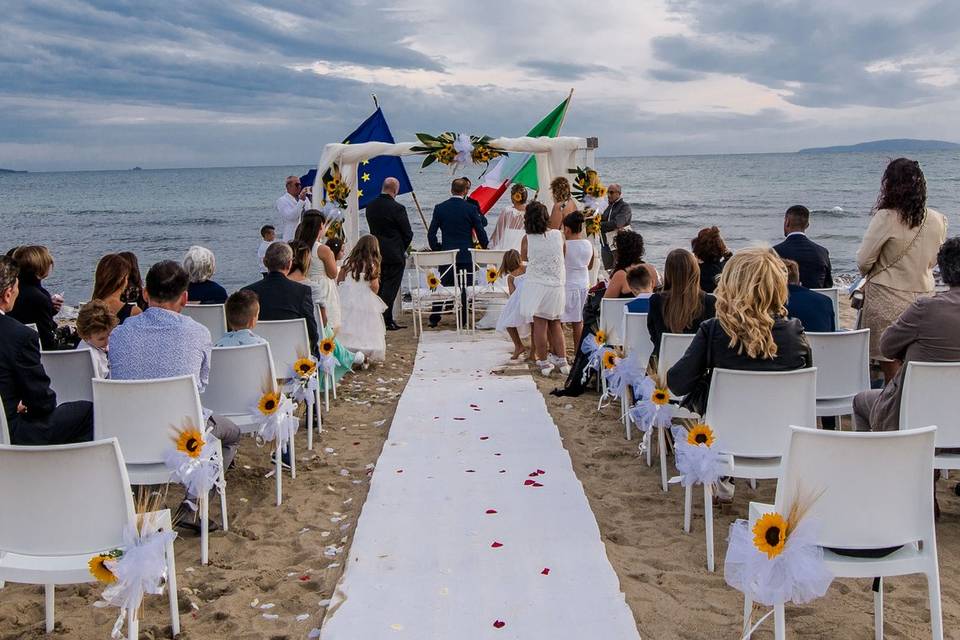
(520, 168)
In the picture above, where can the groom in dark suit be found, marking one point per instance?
(813, 259)
(390, 225)
(457, 221)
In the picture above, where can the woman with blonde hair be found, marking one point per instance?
(563, 202)
(682, 306)
(751, 331)
(508, 234)
(34, 304)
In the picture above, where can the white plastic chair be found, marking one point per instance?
(482, 294)
(75, 502)
(751, 412)
(70, 374)
(212, 316)
(289, 341)
(611, 319)
(843, 369)
(875, 492)
(330, 380)
(440, 264)
(144, 415)
(834, 295)
(929, 396)
(636, 338)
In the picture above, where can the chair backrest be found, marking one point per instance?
(928, 397)
(843, 362)
(611, 318)
(212, 316)
(143, 415)
(871, 490)
(672, 348)
(288, 341)
(70, 373)
(636, 335)
(434, 259)
(238, 376)
(68, 499)
(4, 427)
(321, 328)
(834, 294)
(751, 411)
(483, 259)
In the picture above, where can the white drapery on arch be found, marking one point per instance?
(555, 156)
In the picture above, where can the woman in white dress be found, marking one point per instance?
(509, 232)
(363, 328)
(542, 296)
(578, 261)
(323, 267)
(563, 202)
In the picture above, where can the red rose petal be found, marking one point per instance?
(527, 483)
(473, 406)
(470, 471)
(533, 475)
(496, 545)
(537, 484)
(497, 454)
(503, 470)
(545, 571)
(499, 624)
(399, 470)
(540, 472)
(459, 418)
(489, 511)
(304, 578)
(484, 437)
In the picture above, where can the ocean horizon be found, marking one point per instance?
(158, 213)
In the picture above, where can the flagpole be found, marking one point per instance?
(423, 219)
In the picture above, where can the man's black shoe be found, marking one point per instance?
(393, 326)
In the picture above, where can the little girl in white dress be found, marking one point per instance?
(577, 261)
(511, 321)
(361, 311)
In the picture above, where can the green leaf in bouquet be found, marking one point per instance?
(429, 160)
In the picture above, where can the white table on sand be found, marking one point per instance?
(476, 525)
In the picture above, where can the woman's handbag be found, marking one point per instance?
(857, 292)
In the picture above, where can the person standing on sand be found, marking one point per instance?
(615, 217)
(290, 206)
(390, 225)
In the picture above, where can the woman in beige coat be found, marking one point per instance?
(898, 252)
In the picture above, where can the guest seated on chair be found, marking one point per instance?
(813, 309)
(200, 265)
(110, 282)
(640, 284)
(628, 245)
(30, 404)
(163, 343)
(35, 305)
(712, 252)
(681, 307)
(94, 324)
(281, 298)
(242, 309)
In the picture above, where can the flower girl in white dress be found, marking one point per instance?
(362, 327)
(511, 321)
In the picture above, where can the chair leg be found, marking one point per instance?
(291, 447)
(747, 617)
(204, 501)
(878, 609)
(687, 507)
(309, 426)
(172, 597)
(626, 425)
(648, 440)
(223, 500)
(936, 614)
(279, 472)
(133, 623)
(708, 524)
(662, 445)
(48, 606)
(333, 383)
(316, 406)
(779, 622)
(753, 483)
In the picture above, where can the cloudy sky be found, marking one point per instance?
(97, 84)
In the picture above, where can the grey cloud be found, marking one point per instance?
(563, 70)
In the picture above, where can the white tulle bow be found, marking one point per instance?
(628, 371)
(278, 426)
(594, 351)
(464, 148)
(199, 475)
(646, 413)
(699, 463)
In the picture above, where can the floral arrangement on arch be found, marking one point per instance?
(455, 149)
(588, 189)
(335, 189)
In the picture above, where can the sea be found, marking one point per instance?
(159, 213)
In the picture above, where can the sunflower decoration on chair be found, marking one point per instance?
(698, 459)
(193, 459)
(493, 274)
(433, 282)
(456, 149)
(777, 560)
(628, 371)
(100, 566)
(328, 361)
(304, 384)
(600, 357)
(653, 408)
(273, 413)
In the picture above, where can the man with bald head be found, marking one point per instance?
(389, 223)
(290, 206)
(615, 217)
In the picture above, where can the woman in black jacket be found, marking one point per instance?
(682, 305)
(35, 305)
(751, 331)
(713, 254)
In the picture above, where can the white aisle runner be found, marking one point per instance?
(475, 525)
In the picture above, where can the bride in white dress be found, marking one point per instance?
(508, 234)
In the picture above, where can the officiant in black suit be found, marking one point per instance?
(389, 223)
(813, 259)
(457, 221)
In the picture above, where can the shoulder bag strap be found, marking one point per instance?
(902, 255)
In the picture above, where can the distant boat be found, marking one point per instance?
(137, 169)
(899, 145)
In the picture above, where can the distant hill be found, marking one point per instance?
(11, 171)
(900, 145)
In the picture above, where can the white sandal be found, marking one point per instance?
(546, 368)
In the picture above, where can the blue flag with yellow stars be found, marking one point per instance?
(372, 172)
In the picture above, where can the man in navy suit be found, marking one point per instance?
(813, 259)
(457, 221)
(814, 310)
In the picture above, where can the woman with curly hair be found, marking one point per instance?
(712, 252)
(751, 331)
(563, 202)
(898, 252)
(629, 250)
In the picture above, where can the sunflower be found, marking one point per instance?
(609, 359)
(770, 534)
(99, 569)
(433, 281)
(190, 442)
(601, 336)
(327, 346)
(304, 367)
(492, 275)
(700, 434)
(660, 396)
(269, 403)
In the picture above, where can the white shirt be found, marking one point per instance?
(290, 210)
(262, 251)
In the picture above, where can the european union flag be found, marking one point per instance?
(372, 172)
